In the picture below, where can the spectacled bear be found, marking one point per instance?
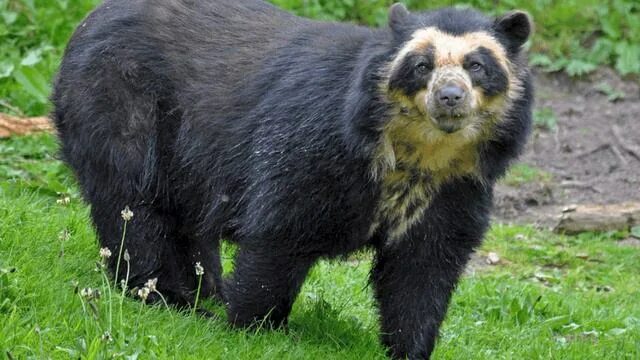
(296, 140)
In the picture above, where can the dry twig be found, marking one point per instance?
(593, 151)
(632, 149)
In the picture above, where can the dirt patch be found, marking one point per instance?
(480, 261)
(591, 149)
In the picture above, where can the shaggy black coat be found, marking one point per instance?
(235, 120)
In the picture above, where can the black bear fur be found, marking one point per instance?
(235, 120)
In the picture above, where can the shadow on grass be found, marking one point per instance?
(319, 323)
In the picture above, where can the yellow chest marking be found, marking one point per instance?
(413, 161)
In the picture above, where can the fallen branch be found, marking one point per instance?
(630, 148)
(593, 151)
(579, 185)
(582, 218)
(13, 125)
(619, 155)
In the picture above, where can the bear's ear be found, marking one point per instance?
(398, 16)
(516, 27)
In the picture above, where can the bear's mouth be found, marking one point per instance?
(451, 122)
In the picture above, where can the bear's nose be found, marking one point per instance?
(451, 96)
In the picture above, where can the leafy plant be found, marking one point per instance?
(575, 36)
(7, 289)
(521, 174)
(612, 94)
(545, 119)
(33, 34)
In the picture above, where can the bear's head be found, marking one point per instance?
(455, 71)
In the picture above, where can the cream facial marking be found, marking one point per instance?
(451, 49)
(449, 55)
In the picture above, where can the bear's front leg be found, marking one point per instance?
(414, 280)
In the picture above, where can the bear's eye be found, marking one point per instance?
(475, 66)
(422, 68)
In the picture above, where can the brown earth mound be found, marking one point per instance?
(589, 153)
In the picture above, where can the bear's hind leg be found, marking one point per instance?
(264, 285)
(206, 251)
(153, 248)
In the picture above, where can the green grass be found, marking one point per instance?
(521, 174)
(575, 36)
(550, 296)
(545, 119)
(33, 34)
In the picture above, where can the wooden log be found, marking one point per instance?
(582, 218)
(13, 125)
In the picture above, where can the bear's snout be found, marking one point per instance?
(451, 96)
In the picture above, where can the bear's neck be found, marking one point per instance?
(412, 162)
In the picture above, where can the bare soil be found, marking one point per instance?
(592, 154)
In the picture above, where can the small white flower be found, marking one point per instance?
(90, 294)
(126, 214)
(151, 284)
(64, 235)
(86, 293)
(199, 269)
(105, 253)
(144, 293)
(123, 284)
(126, 255)
(64, 201)
(106, 337)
